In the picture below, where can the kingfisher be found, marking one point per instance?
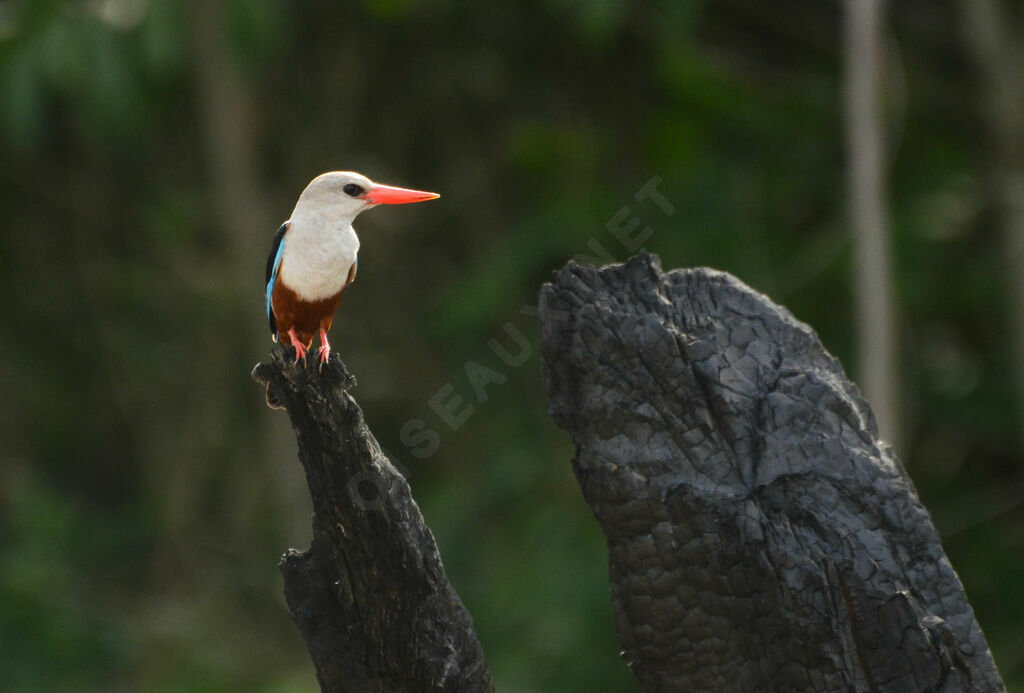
(313, 256)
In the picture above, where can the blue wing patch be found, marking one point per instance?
(273, 262)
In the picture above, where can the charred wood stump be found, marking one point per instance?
(370, 596)
(761, 537)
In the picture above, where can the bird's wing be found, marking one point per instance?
(352, 272)
(273, 262)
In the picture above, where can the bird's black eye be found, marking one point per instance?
(352, 190)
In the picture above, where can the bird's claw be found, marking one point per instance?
(325, 348)
(300, 348)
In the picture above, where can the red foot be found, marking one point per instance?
(300, 348)
(325, 348)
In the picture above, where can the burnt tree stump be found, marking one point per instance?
(761, 537)
(370, 596)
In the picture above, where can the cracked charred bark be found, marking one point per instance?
(761, 537)
(370, 596)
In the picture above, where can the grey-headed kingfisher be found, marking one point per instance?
(313, 255)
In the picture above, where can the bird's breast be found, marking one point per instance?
(316, 265)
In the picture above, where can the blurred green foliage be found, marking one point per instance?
(146, 493)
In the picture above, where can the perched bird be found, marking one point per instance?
(313, 255)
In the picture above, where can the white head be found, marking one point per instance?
(342, 195)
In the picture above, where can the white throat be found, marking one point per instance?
(320, 248)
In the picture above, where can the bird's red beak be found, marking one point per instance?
(389, 195)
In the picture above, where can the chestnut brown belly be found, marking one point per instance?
(305, 317)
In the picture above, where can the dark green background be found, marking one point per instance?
(149, 150)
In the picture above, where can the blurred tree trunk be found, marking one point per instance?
(240, 226)
(245, 226)
(873, 277)
(227, 121)
(999, 56)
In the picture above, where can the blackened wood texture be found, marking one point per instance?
(370, 596)
(761, 537)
